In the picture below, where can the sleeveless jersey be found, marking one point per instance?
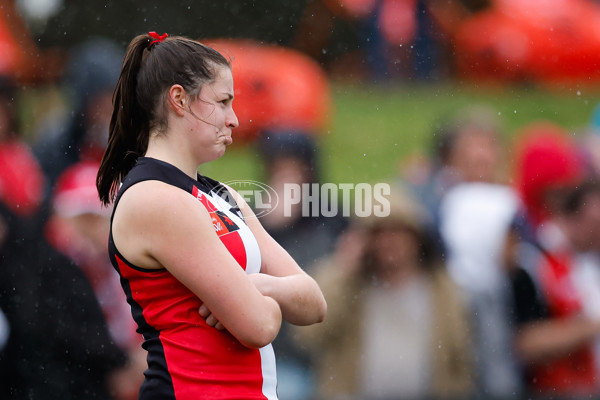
(187, 359)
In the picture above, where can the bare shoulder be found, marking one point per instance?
(150, 215)
(147, 203)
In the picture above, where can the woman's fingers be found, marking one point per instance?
(209, 318)
(204, 311)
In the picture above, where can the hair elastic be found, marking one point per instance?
(157, 38)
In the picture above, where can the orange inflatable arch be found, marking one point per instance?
(276, 88)
(546, 41)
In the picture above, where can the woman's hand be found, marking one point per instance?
(264, 283)
(210, 319)
(298, 295)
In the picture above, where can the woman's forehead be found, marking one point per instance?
(223, 83)
(224, 76)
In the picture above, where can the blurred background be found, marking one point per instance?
(482, 115)
(395, 69)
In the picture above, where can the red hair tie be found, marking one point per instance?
(158, 38)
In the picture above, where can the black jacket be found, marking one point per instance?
(59, 345)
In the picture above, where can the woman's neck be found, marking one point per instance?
(165, 150)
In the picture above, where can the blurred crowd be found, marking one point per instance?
(482, 283)
(548, 42)
(67, 331)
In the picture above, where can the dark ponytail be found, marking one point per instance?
(125, 128)
(148, 70)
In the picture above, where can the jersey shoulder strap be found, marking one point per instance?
(148, 168)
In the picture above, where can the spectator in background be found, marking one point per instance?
(583, 230)
(474, 213)
(291, 158)
(79, 228)
(474, 218)
(89, 80)
(406, 39)
(548, 165)
(556, 303)
(58, 345)
(397, 326)
(467, 148)
(563, 209)
(21, 179)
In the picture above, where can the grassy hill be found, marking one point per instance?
(374, 129)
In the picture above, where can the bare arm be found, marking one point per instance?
(545, 340)
(298, 294)
(170, 229)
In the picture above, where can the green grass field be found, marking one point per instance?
(373, 129)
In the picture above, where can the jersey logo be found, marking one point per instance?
(221, 222)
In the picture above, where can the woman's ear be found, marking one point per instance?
(177, 99)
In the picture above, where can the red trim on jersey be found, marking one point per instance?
(235, 245)
(203, 199)
(224, 229)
